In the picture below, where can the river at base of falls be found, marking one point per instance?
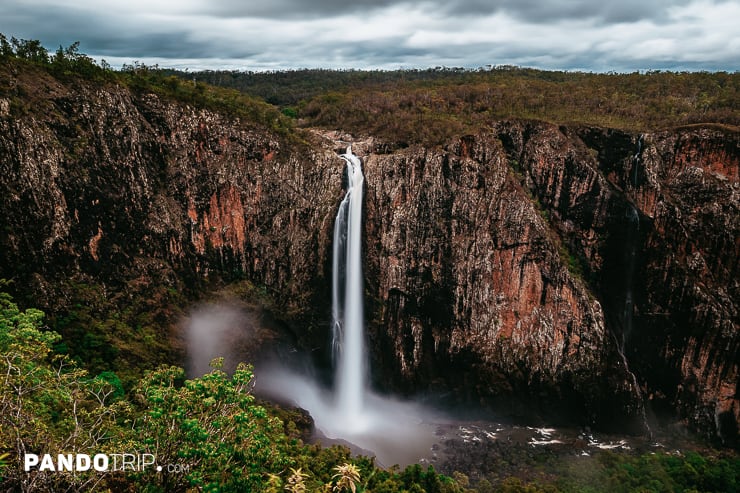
(487, 449)
(402, 433)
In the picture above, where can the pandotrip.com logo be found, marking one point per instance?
(96, 462)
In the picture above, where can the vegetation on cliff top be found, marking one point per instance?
(70, 64)
(420, 106)
(433, 105)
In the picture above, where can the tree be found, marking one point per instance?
(208, 430)
(47, 405)
(347, 476)
(5, 49)
(30, 49)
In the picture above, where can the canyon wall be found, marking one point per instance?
(553, 263)
(472, 293)
(530, 269)
(685, 340)
(123, 189)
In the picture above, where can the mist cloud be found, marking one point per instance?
(213, 331)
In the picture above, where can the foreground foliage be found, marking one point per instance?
(659, 472)
(209, 434)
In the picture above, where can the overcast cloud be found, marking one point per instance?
(592, 35)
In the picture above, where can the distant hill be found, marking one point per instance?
(432, 105)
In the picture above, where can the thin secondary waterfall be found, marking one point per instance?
(631, 239)
(347, 293)
(636, 160)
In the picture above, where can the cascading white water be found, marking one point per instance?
(395, 431)
(347, 293)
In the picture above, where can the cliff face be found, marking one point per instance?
(583, 270)
(685, 335)
(529, 268)
(104, 185)
(471, 290)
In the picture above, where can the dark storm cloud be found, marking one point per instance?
(555, 34)
(282, 9)
(528, 10)
(112, 35)
(537, 11)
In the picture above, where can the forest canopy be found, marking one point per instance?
(427, 106)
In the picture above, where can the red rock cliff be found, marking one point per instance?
(530, 268)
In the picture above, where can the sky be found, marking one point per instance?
(259, 35)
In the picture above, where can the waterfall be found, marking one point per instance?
(631, 240)
(347, 296)
(636, 160)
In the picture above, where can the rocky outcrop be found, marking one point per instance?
(530, 268)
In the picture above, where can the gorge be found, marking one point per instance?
(504, 270)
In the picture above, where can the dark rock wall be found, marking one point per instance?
(471, 291)
(108, 185)
(495, 266)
